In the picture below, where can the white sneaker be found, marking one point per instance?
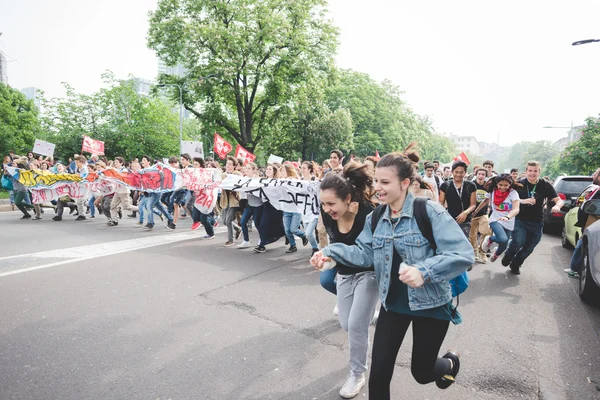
(352, 386)
(485, 245)
(335, 310)
(244, 245)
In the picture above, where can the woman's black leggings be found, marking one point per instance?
(426, 367)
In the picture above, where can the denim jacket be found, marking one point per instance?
(453, 256)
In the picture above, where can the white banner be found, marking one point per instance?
(43, 148)
(289, 195)
(273, 159)
(194, 149)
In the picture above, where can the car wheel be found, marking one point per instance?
(588, 291)
(563, 239)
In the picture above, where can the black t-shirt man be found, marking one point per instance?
(540, 191)
(335, 236)
(458, 200)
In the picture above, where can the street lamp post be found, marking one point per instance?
(180, 87)
(585, 41)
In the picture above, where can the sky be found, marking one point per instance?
(494, 70)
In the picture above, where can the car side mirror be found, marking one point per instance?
(592, 207)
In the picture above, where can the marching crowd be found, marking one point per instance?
(384, 232)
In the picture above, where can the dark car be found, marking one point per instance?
(567, 188)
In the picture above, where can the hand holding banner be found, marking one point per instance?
(221, 146)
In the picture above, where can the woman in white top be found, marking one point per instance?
(420, 188)
(501, 190)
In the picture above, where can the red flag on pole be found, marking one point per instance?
(462, 157)
(221, 146)
(244, 154)
(92, 146)
(377, 155)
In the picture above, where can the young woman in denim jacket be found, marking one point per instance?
(345, 200)
(419, 294)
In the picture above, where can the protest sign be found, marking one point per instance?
(221, 146)
(289, 195)
(194, 149)
(244, 154)
(44, 148)
(273, 159)
(92, 146)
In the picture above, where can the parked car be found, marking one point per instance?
(589, 278)
(567, 188)
(571, 233)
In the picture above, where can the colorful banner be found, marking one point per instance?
(92, 146)
(221, 146)
(290, 195)
(39, 181)
(43, 148)
(244, 154)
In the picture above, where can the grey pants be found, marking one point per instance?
(357, 297)
(228, 216)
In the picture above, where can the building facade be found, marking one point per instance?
(32, 94)
(3, 69)
(467, 144)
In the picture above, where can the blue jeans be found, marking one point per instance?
(207, 221)
(154, 201)
(327, 279)
(309, 230)
(525, 237)
(501, 236)
(91, 206)
(291, 225)
(577, 257)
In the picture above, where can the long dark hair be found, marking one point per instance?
(354, 181)
(402, 161)
(422, 183)
(492, 183)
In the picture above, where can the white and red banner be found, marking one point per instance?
(221, 146)
(43, 148)
(462, 157)
(244, 154)
(92, 146)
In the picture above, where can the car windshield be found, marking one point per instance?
(573, 186)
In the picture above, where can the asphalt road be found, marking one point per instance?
(92, 312)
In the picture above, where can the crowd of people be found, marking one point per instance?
(363, 262)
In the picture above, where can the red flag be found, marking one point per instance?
(377, 155)
(92, 146)
(221, 146)
(244, 154)
(462, 157)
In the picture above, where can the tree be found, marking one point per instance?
(19, 122)
(581, 157)
(262, 49)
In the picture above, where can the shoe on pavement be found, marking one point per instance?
(505, 261)
(56, 218)
(352, 386)
(171, 225)
(26, 216)
(445, 381)
(208, 237)
(238, 232)
(81, 218)
(112, 223)
(229, 243)
(149, 226)
(260, 249)
(196, 225)
(132, 215)
(244, 245)
(292, 249)
(515, 270)
(571, 273)
(485, 245)
(139, 223)
(304, 240)
(37, 218)
(494, 257)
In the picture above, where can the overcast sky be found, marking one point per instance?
(475, 67)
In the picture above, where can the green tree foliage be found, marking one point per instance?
(581, 157)
(130, 125)
(262, 49)
(19, 122)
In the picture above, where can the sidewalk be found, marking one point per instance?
(5, 205)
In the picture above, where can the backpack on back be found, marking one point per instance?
(458, 284)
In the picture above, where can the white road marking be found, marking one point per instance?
(82, 253)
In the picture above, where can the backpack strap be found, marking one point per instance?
(423, 221)
(377, 213)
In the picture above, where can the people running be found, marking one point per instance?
(291, 220)
(529, 223)
(419, 188)
(418, 292)
(230, 202)
(346, 202)
(480, 224)
(504, 199)
(460, 196)
(309, 171)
